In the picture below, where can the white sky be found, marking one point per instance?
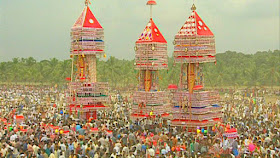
(41, 28)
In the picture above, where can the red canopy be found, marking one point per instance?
(172, 86)
(151, 2)
(54, 127)
(231, 133)
(232, 130)
(23, 130)
(197, 87)
(94, 130)
(19, 117)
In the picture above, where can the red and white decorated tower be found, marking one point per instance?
(150, 57)
(87, 43)
(194, 45)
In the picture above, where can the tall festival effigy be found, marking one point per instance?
(87, 95)
(150, 57)
(194, 45)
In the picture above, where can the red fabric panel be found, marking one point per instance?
(90, 20)
(202, 28)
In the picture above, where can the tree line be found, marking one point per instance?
(231, 69)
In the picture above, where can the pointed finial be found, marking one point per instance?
(87, 2)
(193, 7)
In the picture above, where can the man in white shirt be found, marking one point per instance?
(35, 149)
(13, 137)
(117, 147)
(167, 148)
(226, 145)
(151, 152)
(125, 151)
(4, 150)
(62, 146)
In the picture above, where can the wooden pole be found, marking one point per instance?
(91, 59)
(191, 80)
(72, 75)
(151, 11)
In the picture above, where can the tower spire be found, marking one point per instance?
(193, 8)
(151, 3)
(87, 2)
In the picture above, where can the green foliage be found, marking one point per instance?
(28, 70)
(238, 69)
(232, 69)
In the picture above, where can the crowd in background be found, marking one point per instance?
(256, 120)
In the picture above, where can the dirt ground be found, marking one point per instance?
(272, 99)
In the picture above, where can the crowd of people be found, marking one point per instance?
(41, 133)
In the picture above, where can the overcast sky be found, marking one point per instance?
(41, 28)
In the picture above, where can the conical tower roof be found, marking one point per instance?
(87, 19)
(151, 34)
(195, 26)
(195, 42)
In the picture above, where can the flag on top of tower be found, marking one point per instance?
(87, 19)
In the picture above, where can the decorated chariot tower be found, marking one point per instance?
(150, 57)
(87, 95)
(194, 45)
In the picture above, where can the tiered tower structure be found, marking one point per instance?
(194, 45)
(87, 43)
(150, 57)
